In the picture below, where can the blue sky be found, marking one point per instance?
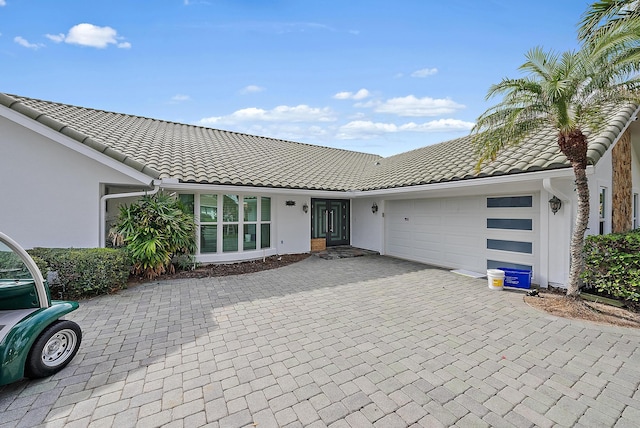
(374, 76)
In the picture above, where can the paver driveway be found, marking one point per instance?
(341, 343)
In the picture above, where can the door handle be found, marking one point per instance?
(326, 220)
(331, 229)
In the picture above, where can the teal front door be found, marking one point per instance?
(330, 220)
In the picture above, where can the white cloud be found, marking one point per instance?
(92, 36)
(180, 98)
(440, 125)
(57, 38)
(287, 131)
(360, 95)
(25, 43)
(416, 107)
(251, 89)
(3, 3)
(425, 72)
(364, 129)
(300, 113)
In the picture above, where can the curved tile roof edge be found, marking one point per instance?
(10, 102)
(597, 148)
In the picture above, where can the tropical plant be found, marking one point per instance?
(573, 93)
(611, 28)
(154, 229)
(607, 15)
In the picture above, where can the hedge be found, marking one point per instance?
(612, 264)
(83, 272)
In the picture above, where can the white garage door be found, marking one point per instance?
(472, 233)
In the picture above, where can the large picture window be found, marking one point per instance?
(230, 223)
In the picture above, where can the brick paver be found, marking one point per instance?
(369, 341)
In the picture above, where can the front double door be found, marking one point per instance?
(330, 220)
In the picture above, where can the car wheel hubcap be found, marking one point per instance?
(59, 347)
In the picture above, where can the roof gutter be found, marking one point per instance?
(105, 198)
(467, 183)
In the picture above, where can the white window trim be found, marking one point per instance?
(240, 254)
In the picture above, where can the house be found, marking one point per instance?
(65, 170)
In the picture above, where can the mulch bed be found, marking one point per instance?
(205, 271)
(557, 304)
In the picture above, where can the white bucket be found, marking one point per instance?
(495, 277)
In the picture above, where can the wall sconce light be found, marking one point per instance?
(305, 207)
(374, 208)
(555, 204)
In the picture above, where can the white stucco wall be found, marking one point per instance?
(555, 232)
(50, 193)
(367, 228)
(292, 228)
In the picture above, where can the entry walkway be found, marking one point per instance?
(356, 342)
(343, 252)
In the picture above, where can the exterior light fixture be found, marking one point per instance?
(374, 208)
(555, 204)
(305, 207)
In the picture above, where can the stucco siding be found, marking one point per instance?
(367, 228)
(55, 190)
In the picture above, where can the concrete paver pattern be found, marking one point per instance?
(369, 341)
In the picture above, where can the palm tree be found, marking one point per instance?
(608, 15)
(574, 94)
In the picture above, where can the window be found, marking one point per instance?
(514, 246)
(265, 218)
(510, 202)
(634, 210)
(230, 209)
(188, 203)
(603, 210)
(231, 223)
(250, 208)
(510, 223)
(208, 224)
(208, 208)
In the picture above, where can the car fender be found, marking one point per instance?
(17, 344)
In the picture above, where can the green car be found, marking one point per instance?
(34, 341)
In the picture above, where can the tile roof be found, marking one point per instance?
(198, 154)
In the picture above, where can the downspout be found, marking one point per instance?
(105, 198)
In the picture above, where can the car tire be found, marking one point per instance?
(53, 349)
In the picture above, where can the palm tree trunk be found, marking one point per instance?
(582, 220)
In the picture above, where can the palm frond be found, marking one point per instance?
(568, 91)
(539, 62)
(603, 15)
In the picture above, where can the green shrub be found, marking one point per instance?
(155, 229)
(12, 266)
(84, 272)
(612, 264)
(42, 265)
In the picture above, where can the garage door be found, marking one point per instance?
(472, 233)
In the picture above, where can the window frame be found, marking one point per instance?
(238, 221)
(634, 210)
